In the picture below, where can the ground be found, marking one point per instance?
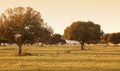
(60, 58)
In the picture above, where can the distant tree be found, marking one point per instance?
(3, 42)
(0, 32)
(46, 36)
(83, 32)
(57, 38)
(115, 38)
(63, 41)
(22, 25)
(2, 39)
(105, 39)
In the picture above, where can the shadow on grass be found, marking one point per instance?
(26, 54)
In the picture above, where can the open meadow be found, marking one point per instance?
(60, 58)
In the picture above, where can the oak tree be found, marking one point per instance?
(22, 25)
(83, 32)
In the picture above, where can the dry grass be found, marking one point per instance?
(60, 58)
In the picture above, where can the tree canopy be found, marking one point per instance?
(57, 38)
(113, 38)
(105, 39)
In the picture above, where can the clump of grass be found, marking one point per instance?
(68, 51)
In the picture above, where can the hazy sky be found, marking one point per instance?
(61, 13)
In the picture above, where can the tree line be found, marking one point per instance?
(113, 38)
(25, 26)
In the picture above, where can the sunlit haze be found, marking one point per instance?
(61, 13)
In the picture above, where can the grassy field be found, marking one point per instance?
(60, 58)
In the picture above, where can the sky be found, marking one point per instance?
(61, 13)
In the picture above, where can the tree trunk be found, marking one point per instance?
(19, 49)
(82, 46)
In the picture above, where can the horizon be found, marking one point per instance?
(61, 13)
